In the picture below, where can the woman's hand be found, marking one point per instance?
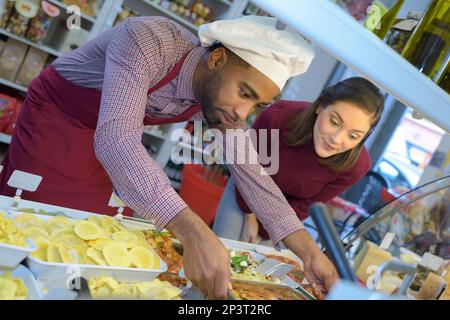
(250, 230)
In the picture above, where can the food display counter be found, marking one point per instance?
(85, 255)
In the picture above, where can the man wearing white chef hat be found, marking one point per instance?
(82, 122)
(274, 55)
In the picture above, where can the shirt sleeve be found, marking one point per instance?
(134, 63)
(259, 191)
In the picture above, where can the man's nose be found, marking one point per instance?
(244, 110)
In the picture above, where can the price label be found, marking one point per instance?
(25, 181)
(115, 201)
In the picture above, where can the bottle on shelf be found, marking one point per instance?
(443, 77)
(402, 30)
(428, 49)
(387, 20)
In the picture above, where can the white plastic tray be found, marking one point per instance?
(65, 273)
(58, 272)
(6, 203)
(11, 256)
(33, 290)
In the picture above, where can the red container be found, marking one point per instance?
(201, 196)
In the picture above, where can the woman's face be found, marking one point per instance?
(340, 127)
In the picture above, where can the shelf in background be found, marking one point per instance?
(49, 50)
(13, 85)
(64, 7)
(5, 138)
(172, 15)
(361, 50)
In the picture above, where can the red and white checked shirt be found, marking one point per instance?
(124, 62)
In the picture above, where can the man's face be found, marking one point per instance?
(231, 92)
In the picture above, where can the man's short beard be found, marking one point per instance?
(208, 99)
(210, 109)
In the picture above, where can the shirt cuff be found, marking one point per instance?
(283, 228)
(165, 208)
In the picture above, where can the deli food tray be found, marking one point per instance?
(34, 291)
(56, 272)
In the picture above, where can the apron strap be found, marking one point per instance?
(185, 116)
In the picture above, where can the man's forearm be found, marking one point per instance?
(186, 225)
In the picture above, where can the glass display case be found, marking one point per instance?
(413, 232)
(419, 219)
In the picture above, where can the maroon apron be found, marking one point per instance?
(54, 138)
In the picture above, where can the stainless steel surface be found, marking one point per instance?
(393, 265)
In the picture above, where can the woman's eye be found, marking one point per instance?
(334, 123)
(353, 137)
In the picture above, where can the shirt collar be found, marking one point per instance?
(185, 88)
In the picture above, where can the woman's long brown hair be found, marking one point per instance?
(357, 91)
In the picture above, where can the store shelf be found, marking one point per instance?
(356, 47)
(64, 8)
(13, 85)
(49, 50)
(5, 138)
(172, 15)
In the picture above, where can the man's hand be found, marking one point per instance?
(250, 231)
(206, 261)
(319, 270)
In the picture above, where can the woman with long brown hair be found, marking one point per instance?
(321, 153)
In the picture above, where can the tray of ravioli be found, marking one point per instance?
(93, 247)
(107, 288)
(14, 245)
(19, 284)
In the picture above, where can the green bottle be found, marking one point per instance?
(388, 19)
(428, 49)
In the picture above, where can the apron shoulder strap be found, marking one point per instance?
(169, 77)
(185, 116)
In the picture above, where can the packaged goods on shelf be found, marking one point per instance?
(9, 117)
(40, 24)
(12, 58)
(6, 9)
(6, 102)
(24, 11)
(125, 13)
(32, 66)
(88, 7)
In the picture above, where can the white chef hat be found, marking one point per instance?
(278, 54)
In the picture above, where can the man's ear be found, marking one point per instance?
(217, 59)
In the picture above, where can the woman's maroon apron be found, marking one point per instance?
(54, 138)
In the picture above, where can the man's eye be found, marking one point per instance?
(244, 94)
